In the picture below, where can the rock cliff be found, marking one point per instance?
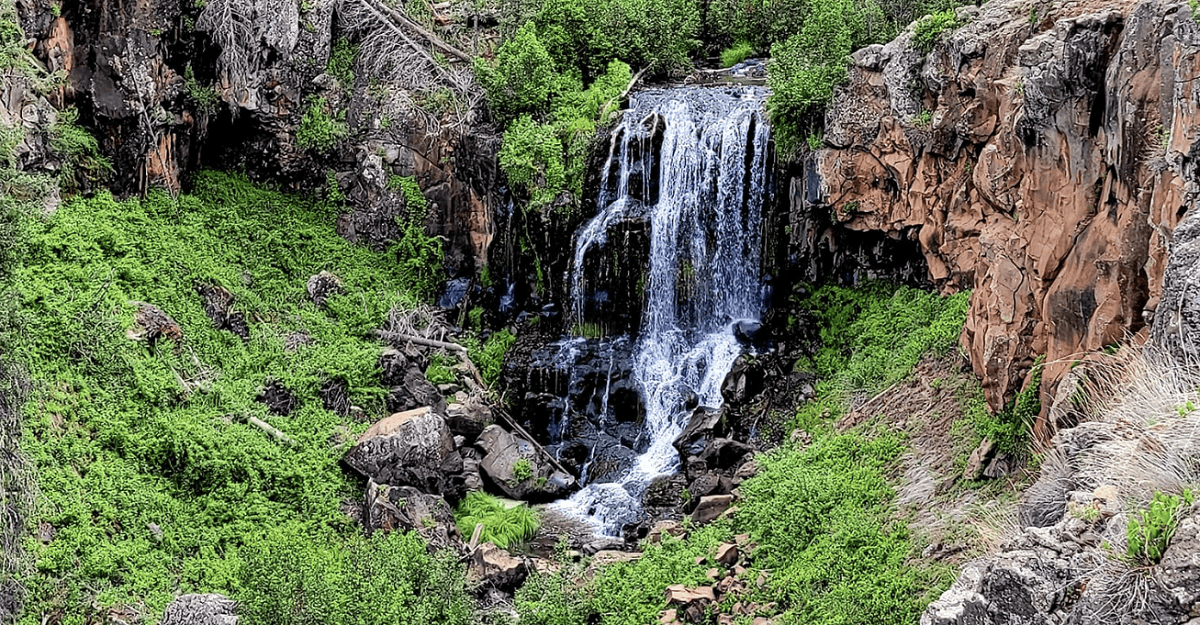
(1041, 155)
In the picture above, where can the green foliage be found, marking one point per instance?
(318, 130)
(502, 526)
(522, 470)
(736, 53)
(1010, 429)
(206, 98)
(490, 356)
(80, 152)
(126, 434)
(532, 158)
(1149, 532)
(438, 371)
(522, 77)
(290, 577)
(930, 28)
(874, 335)
(822, 519)
(807, 66)
(341, 62)
(924, 119)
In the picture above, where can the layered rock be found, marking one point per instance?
(1042, 162)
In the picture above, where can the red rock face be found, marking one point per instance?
(1045, 161)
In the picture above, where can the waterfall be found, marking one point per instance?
(693, 163)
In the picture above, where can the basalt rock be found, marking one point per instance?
(513, 466)
(1041, 163)
(404, 508)
(413, 448)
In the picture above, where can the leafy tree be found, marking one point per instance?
(522, 78)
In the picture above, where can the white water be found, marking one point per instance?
(705, 230)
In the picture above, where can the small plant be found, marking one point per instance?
(736, 53)
(1033, 17)
(502, 526)
(1019, 87)
(587, 330)
(850, 207)
(318, 130)
(930, 28)
(1186, 409)
(438, 371)
(341, 62)
(1149, 532)
(815, 141)
(685, 495)
(206, 98)
(522, 469)
(924, 119)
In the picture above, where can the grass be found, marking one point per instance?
(502, 526)
(128, 435)
(736, 53)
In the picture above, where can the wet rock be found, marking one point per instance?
(705, 484)
(409, 388)
(711, 507)
(722, 454)
(744, 380)
(322, 286)
(493, 567)
(665, 492)
(404, 508)
(200, 610)
(413, 448)
(468, 419)
(748, 331)
(609, 461)
(512, 465)
(278, 398)
(703, 426)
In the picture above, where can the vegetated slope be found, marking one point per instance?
(152, 481)
(822, 510)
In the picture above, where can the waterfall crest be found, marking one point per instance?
(693, 163)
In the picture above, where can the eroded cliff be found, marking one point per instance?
(1041, 155)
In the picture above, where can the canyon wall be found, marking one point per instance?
(1041, 154)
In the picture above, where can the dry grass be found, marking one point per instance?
(17, 486)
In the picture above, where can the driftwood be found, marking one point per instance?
(625, 93)
(269, 429)
(509, 421)
(412, 44)
(433, 39)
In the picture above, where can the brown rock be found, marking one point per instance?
(1063, 254)
(978, 460)
(669, 528)
(727, 554)
(494, 567)
(679, 594)
(711, 507)
(668, 617)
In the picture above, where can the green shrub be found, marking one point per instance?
(206, 98)
(930, 28)
(736, 53)
(126, 435)
(532, 158)
(489, 357)
(80, 152)
(806, 67)
(318, 130)
(1010, 430)
(522, 77)
(502, 526)
(293, 578)
(522, 470)
(1149, 532)
(341, 62)
(438, 371)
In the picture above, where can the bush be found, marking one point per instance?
(1149, 532)
(341, 62)
(318, 130)
(806, 67)
(522, 77)
(82, 162)
(502, 526)
(293, 578)
(1010, 430)
(490, 357)
(532, 158)
(126, 435)
(930, 28)
(438, 371)
(737, 53)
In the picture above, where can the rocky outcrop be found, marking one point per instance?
(1177, 318)
(172, 86)
(1040, 159)
(515, 467)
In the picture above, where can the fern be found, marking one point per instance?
(502, 526)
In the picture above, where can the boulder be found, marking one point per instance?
(665, 492)
(1176, 325)
(404, 508)
(727, 554)
(744, 380)
(468, 419)
(703, 426)
(693, 602)
(711, 507)
(200, 610)
(723, 454)
(413, 448)
(321, 286)
(493, 567)
(513, 465)
(978, 460)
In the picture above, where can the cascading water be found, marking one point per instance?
(693, 163)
